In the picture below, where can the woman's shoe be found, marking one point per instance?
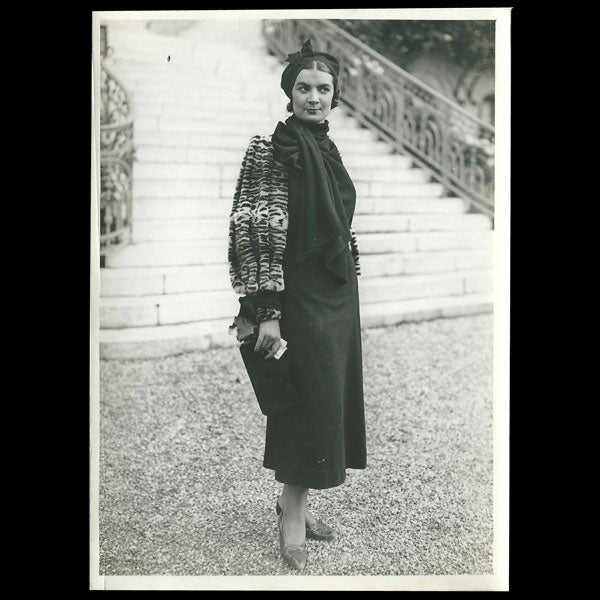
(317, 531)
(295, 556)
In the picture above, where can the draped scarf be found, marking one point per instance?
(319, 215)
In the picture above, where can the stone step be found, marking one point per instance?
(360, 174)
(167, 309)
(179, 208)
(240, 109)
(129, 44)
(185, 139)
(218, 151)
(224, 59)
(175, 103)
(201, 170)
(229, 150)
(261, 123)
(211, 149)
(354, 157)
(386, 314)
(152, 125)
(191, 188)
(215, 188)
(409, 287)
(213, 251)
(151, 52)
(180, 229)
(171, 71)
(400, 205)
(160, 82)
(413, 263)
(399, 223)
(142, 51)
(150, 254)
(143, 281)
(143, 171)
(400, 190)
(243, 38)
(247, 114)
(218, 227)
(172, 104)
(367, 174)
(366, 153)
(176, 99)
(181, 106)
(137, 66)
(166, 340)
(195, 208)
(203, 34)
(158, 68)
(381, 243)
(363, 188)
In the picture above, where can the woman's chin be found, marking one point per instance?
(316, 117)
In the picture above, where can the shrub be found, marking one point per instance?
(470, 44)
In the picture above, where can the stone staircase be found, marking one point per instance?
(198, 97)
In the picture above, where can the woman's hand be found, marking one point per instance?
(268, 337)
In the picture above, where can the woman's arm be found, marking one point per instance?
(269, 303)
(258, 229)
(271, 236)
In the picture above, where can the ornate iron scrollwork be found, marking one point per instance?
(456, 147)
(116, 163)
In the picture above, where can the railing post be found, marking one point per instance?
(446, 163)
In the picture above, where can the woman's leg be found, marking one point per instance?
(310, 519)
(293, 503)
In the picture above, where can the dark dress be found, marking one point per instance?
(312, 444)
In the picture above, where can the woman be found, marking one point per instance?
(293, 253)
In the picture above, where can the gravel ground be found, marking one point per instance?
(183, 490)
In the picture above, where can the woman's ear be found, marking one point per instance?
(335, 99)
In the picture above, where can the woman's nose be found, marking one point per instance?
(314, 98)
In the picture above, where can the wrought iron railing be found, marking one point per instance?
(116, 159)
(455, 147)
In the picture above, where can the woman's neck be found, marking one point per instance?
(309, 124)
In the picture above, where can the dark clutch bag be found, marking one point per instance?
(270, 379)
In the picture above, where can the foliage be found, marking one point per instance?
(470, 44)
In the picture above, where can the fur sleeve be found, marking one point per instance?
(258, 221)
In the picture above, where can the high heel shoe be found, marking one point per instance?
(295, 556)
(318, 531)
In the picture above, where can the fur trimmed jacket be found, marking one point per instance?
(258, 225)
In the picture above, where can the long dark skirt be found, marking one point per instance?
(312, 444)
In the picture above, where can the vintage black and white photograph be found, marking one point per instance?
(300, 282)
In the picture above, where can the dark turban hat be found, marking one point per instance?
(299, 61)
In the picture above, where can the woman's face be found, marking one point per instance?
(312, 95)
